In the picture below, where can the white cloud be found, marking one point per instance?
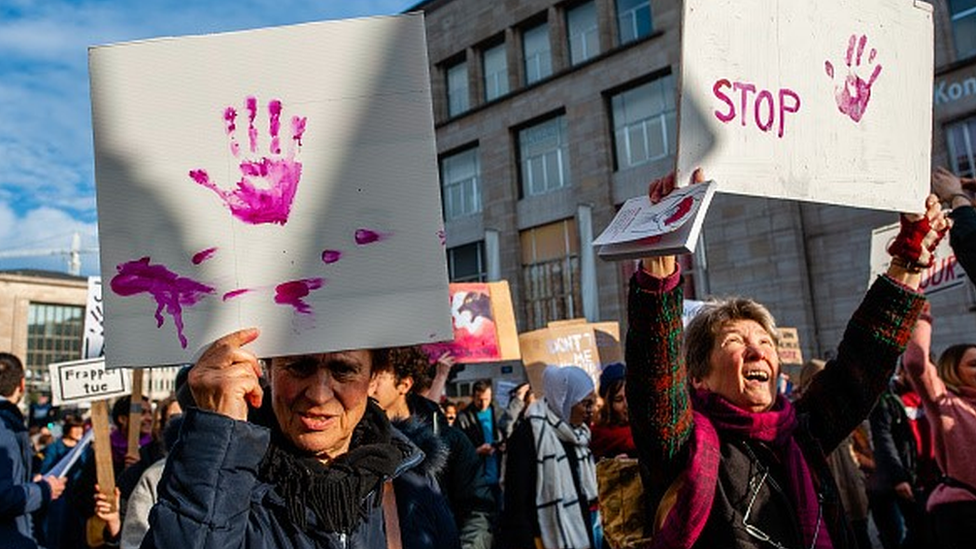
(44, 229)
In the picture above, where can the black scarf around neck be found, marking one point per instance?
(334, 492)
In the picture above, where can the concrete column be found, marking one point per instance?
(589, 289)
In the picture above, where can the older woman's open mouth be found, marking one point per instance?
(314, 422)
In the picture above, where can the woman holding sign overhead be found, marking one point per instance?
(307, 460)
(725, 460)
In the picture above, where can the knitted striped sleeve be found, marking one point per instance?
(657, 391)
(840, 397)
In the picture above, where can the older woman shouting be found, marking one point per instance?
(725, 460)
(315, 463)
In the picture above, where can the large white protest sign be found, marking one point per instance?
(945, 272)
(283, 178)
(80, 381)
(827, 101)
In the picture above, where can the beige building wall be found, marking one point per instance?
(807, 262)
(18, 291)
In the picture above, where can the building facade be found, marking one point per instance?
(42, 321)
(549, 115)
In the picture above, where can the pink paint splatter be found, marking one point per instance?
(169, 289)
(293, 293)
(268, 184)
(235, 293)
(442, 237)
(854, 93)
(331, 256)
(203, 255)
(366, 236)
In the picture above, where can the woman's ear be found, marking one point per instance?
(699, 384)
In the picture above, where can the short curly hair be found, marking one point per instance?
(701, 331)
(407, 362)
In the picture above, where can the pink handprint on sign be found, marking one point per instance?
(854, 92)
(268, 184)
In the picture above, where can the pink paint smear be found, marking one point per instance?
(366, 236)
(235, 293)
(267, 187)
(170, 290)
(203, 255)
(293, 293)
(331, 256)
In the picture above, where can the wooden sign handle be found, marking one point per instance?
(135, 415)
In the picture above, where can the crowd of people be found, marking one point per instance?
(359, 448)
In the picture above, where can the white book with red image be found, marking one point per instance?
(641, 229)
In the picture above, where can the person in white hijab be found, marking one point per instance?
(550, 479)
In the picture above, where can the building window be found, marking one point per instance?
(551, 273)
(467, 263)
(544, 151)
(962, 147)
(54, 334)
(633, 19)
(964, 26)
(496, 72)
(537, 52)
(644, 122)
(584, 39)
(457, 88)
(461, 176)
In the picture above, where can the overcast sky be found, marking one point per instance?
(47, 187)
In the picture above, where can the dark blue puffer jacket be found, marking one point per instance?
(19, 497)
(210, 496)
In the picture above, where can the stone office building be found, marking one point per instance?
(549, 115)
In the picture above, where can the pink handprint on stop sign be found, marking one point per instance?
(268, 184)
(854, 92)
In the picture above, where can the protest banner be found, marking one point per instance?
(944, 274)
(788, 347)
(827, 101)
(93, 345)
(588, 346)
(484, 324)
(284, 178)
(80, 381)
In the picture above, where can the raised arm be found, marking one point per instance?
(657, 381)
(206, 489)
(922, 373)
(841, 396)
(951, 189)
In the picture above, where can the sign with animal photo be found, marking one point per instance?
(484, 324)
(827, 101)
(284, 178)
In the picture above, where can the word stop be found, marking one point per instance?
(766, 109)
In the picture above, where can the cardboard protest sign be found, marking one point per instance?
(788, 346)
(588, 346)
(827, 101)
(86, 381)
(284, 178)
(944, 274)
(484, 324)
(93, 345)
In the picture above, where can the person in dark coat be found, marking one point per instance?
(315, 464)
(725, 460)
(460, 477)
(20, 496)
(482, 422)
(957, 192)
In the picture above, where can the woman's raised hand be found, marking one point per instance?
(663, 266)
(227, 377)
